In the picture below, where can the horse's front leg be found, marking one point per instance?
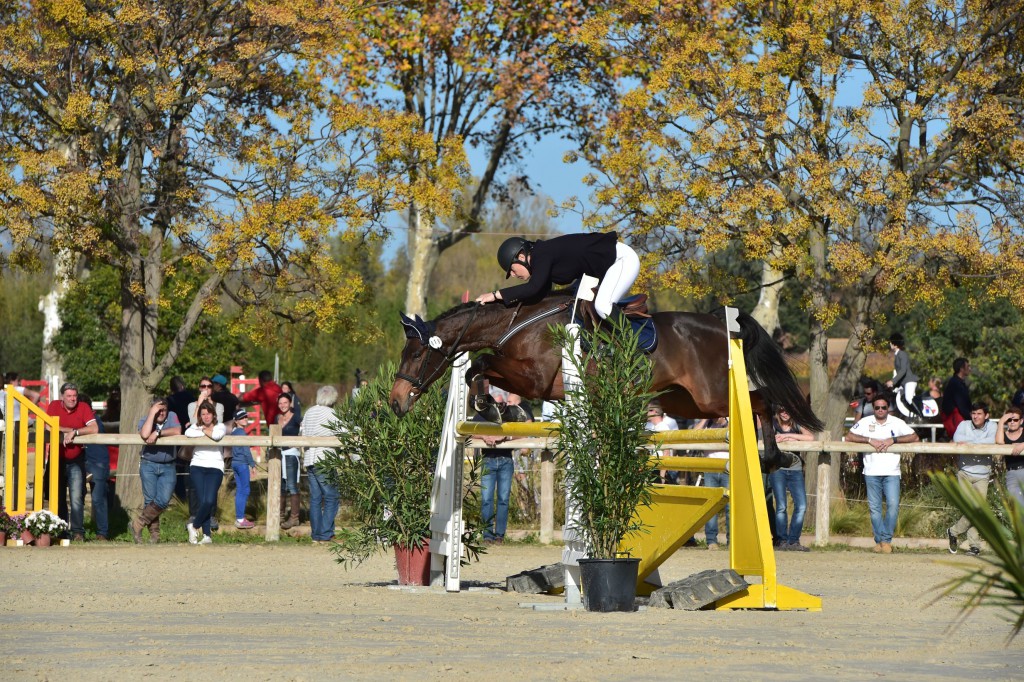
(773, 458)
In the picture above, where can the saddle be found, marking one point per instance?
(633, 309)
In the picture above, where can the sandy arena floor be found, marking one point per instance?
(256, 612)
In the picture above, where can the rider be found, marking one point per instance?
(562, 260)
(903, 378)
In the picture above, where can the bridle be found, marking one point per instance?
(418, 382)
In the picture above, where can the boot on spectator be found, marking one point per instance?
(293, 519)
(154, 530)
(150, 513)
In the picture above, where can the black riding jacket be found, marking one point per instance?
(562, 261)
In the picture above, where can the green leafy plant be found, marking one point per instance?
(602, 436)
(999, 581)
(385, 470)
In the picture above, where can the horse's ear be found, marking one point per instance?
(412, 329)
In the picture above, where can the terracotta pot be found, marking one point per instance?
(3, 538)
(43, 540)
(27, 537)
(413, 565)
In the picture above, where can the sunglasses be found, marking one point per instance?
(205, 385)
(1015, 419)
(880, 407)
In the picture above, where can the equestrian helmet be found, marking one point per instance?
(509, 251)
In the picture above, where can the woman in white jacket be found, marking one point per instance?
(206, 470)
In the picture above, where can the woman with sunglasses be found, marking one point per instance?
(1010, 430)
(205, 394)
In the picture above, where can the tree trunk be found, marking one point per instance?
(766, 312)
(424, 252)
(135, 400)
(818, 356)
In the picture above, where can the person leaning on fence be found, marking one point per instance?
(206, 471)
(1010, 430)
(244, 467)
(290, 423)
(789, 479)
(882, 468)
(76, 419)
(324, 497)
(715, 479)
(973, 471)
(157, 468)
(97, 475)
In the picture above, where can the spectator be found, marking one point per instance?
(862, 406)
(973, 471)
(266, 395)
(1011, 430)
(935, 389)
(658, 422)
(157, 468)
(244, 467)
(904, 380)
(498, 471)
(97, 474)
(956, 397)
(222, 396)
(792, 479)
(716, 479)
(76, 418)
(324, 497)
(882, 468)
(286, 387)
(206, 471)
(205, 395)
(14, 422)
(290, 424)
(179, 400)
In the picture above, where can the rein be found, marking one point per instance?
(419, 381)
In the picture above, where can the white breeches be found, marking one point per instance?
(909, 391)
(616, 282)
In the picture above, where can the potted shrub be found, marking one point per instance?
(609, 473)
(44, 524)
(20, 530)
(385, 471)
(7, 526)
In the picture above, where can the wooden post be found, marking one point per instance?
(274, 488)
(822, 516)
(547, 496)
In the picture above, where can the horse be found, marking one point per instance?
(690, 361)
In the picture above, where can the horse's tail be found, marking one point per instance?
(767, 367)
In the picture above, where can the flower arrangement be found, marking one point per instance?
(7, 524)
(44, 522)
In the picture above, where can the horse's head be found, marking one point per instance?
(424, 359)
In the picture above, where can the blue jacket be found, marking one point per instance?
(241, 454)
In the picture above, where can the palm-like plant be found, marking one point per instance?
(999, 581)
(602, 435)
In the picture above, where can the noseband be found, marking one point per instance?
(418, 382)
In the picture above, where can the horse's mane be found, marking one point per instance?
(465, 307)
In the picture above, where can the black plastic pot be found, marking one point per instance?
(609, 584)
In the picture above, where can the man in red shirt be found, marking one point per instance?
(266, 394)
(76, 419)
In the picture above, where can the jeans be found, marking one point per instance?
(888, 487)
(1015, 484)
(100, 472)
(497, 478)
(716, 479)
(242, 488)
(290, 469)
(72, 485)
(324, 500)
(793, 481)
(158, 480)
(206, 482)
(963, 525)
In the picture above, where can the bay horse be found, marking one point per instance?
(690, 361)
